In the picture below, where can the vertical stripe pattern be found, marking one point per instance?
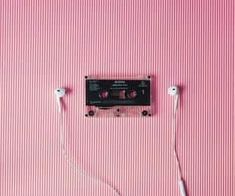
(45, 44)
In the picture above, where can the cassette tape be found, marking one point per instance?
(118, 97)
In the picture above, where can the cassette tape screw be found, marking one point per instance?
(144, 113)
(91, 113)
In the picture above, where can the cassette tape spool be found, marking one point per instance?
(117, 97)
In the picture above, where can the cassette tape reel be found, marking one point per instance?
(117, 97)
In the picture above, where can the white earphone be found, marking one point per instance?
(175, 92)
(172, 91)
(59, 93)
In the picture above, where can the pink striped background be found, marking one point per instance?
(49, 43)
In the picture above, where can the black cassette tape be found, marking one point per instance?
(118, 97)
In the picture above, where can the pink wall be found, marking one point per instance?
(49, 43)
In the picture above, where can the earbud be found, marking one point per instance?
(59, 93)
(174, 91)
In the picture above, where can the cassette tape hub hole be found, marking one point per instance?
(131, 94)
(104, 94)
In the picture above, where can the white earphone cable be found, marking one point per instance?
(174, 145)
(72, 163)
(174, 136)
